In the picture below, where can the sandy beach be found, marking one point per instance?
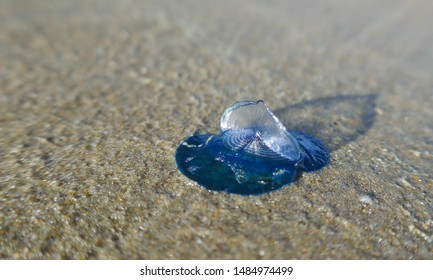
(95, 97)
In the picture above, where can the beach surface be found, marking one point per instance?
(95, 97)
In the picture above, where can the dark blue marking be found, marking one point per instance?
(205, 159)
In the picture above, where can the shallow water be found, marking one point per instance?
(96, 96)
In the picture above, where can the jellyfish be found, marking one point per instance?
(254, 153)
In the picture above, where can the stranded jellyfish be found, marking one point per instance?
(253, 154)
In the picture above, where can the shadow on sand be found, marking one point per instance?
(336, 120)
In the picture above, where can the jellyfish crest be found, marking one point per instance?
(256, 116)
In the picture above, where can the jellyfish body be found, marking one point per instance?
(254, 154)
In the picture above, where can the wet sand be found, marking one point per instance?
(96, 95)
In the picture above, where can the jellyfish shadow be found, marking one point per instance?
(336, 120)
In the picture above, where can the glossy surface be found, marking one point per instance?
(254, 153)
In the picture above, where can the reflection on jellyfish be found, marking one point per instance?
(254, 154)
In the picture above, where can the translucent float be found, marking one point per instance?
(254, 154)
